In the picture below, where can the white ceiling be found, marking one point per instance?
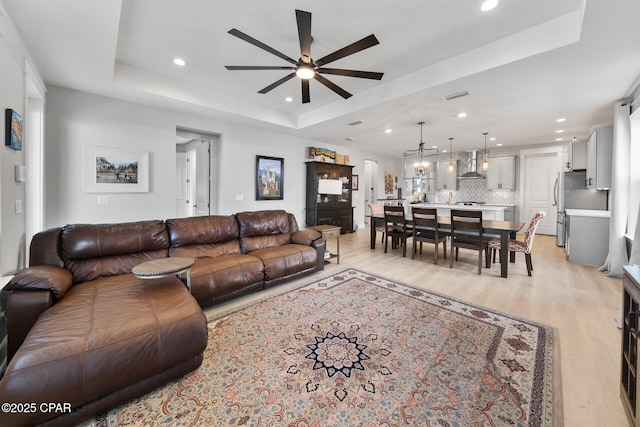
(525, 64)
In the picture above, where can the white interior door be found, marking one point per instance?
(182, 181)
(541, 171)
(202, 180)
(370, 173)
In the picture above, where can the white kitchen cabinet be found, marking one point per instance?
(447, 180)
(578, 156)
(599, 158)
(587, 236)
(501, 174)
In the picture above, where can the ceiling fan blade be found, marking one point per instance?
(276, 84)
(249, 39)
(352, 73)
(337, 89)
(304, 34)
(256, 67)
(306, 97)
(362, 44)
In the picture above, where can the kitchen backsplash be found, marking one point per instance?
(475, 190)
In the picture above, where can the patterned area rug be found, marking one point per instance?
(355, 349)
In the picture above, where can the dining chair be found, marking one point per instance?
(467, 233)
(377, 210)
(425, 229)
(521, 246)
(396, 228)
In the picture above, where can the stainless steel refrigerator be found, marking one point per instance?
(572, 193)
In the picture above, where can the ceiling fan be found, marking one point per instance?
(305, 67)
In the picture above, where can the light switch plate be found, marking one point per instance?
(18, 207)
(20, 173)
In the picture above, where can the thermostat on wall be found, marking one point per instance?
(21, 173)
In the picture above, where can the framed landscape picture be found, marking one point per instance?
(269, 178)
(110, 170)
(13, 133)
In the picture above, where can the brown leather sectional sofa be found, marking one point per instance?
(86, 333)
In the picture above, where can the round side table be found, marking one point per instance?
(163, 267)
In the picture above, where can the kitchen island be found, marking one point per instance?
(488, 211)
(587, 236)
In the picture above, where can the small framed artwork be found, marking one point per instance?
(354, 182)
(110, 170)
(13, 133)
(269, 178)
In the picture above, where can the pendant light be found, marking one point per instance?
(485, 162)
(450, 167)
(421, 167)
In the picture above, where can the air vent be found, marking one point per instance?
(455, 95)
(349, 139)
(357, 122)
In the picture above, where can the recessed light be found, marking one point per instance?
(179, 62)
(388, 130)
(462, 115)
(488, 5)
(492, 138)
(444, 151)
(498, 145)
(561, 119)
(288, 99)
(559, 139)
(560, 131)
(434, 146)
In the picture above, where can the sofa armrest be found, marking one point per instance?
(58, 280)
(23, 309)
(305, 237)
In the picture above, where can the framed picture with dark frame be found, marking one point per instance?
(354, 183)
(269, 178)
(13, 133)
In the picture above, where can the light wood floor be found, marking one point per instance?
(579, 301)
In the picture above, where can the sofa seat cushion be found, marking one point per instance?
(224, 274)
(285, 260)
(103, 336)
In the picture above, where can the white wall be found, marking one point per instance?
(12, 95)
(77, 119)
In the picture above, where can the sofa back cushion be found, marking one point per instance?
(265, 229)
(203, 236)
(91, 251)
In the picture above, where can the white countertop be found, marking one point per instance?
(588, 212)
(461, 207)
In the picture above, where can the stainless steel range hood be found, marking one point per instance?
(472, 171)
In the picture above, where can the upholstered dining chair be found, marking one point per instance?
(521, 246)
(425, 229)
(466, 233)
(377, 210)
(396, 228)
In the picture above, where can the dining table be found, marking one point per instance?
(504, 229)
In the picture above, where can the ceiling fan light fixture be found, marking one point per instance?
(305, 72)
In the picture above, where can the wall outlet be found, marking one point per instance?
(103, 200)
(239, 196)
(18, 207)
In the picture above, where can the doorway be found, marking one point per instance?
(370, 174)
(540, 178)
(196, 173)
(34, 157)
